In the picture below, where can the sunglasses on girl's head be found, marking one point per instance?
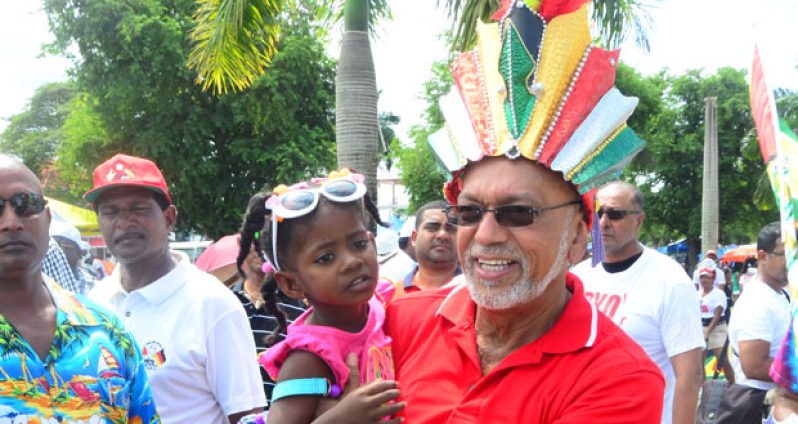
(24, 204)
(506, 216)
(616, 214)
(302, 201)
(298, 202)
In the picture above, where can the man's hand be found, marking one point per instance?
(364, 404)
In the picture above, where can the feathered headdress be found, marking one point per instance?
(536, 87)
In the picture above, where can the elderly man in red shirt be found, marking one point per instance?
(518, 341)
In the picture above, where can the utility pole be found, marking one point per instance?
(709, 199)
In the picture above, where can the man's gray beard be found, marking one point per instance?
(521, 291)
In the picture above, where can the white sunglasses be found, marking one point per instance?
(302, 201)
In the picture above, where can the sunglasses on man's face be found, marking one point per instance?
(24, 204)
(506, 216)
(616, 214)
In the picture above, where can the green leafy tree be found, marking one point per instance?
(139, 98)
(421, 175)
(669, 170)
(388, 135)
(34, 134)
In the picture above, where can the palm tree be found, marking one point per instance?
(11, 343)
(119, 337)
(235, 40)
(8, 346)
(613, 17)
(357, 129)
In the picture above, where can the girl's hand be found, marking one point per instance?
(366, 404)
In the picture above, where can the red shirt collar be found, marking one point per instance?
(576, 328)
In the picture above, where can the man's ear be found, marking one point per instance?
(170, 215)
(289, 284)
(578, 242)
(413, 236)
(640, 218)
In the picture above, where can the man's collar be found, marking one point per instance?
(576, 328)
(162, 288)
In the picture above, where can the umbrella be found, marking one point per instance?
(84, 220)
(739, 253)
(219, 258)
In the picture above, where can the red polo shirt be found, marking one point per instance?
(584, 370)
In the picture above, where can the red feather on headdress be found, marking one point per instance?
(553, 8)
(499, 14)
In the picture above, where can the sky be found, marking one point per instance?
(684, 34)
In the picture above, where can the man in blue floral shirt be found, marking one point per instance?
(62, 358)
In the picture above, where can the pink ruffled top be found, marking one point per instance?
(332, 345)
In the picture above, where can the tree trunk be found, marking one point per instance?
(356, 121)
(709, 198)
(356, 15)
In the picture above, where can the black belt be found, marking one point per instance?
(707, 321)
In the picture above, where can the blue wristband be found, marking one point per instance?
(254, 418)
(305, 387)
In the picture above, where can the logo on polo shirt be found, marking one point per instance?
(154, 355)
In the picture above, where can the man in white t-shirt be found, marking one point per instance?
(195, 337)
(759, 321)
(649, 296)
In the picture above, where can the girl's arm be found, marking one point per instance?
(363, 404)
(299, 409)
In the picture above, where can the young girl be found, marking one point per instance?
(322, 252)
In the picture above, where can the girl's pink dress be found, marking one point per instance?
(332, 345)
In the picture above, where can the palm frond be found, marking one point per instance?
(616, 19)
(466, 14)
(332, 13)
(233, 42)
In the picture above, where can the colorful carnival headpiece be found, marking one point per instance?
(536, 87)
(302, 198)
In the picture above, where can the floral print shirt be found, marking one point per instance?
(93, 372)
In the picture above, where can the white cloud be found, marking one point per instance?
(23, 30)
(710, 34)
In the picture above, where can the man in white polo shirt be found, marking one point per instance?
(758, 324)
(194, 335)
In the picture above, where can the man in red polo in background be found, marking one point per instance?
(433, 242)
(519, 342)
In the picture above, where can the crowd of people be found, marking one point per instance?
(491, 312)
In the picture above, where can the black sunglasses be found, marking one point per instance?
(616, 214)
(506, 216)
(24, 204)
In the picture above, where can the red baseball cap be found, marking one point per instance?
(127, 171)
(706, 271)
